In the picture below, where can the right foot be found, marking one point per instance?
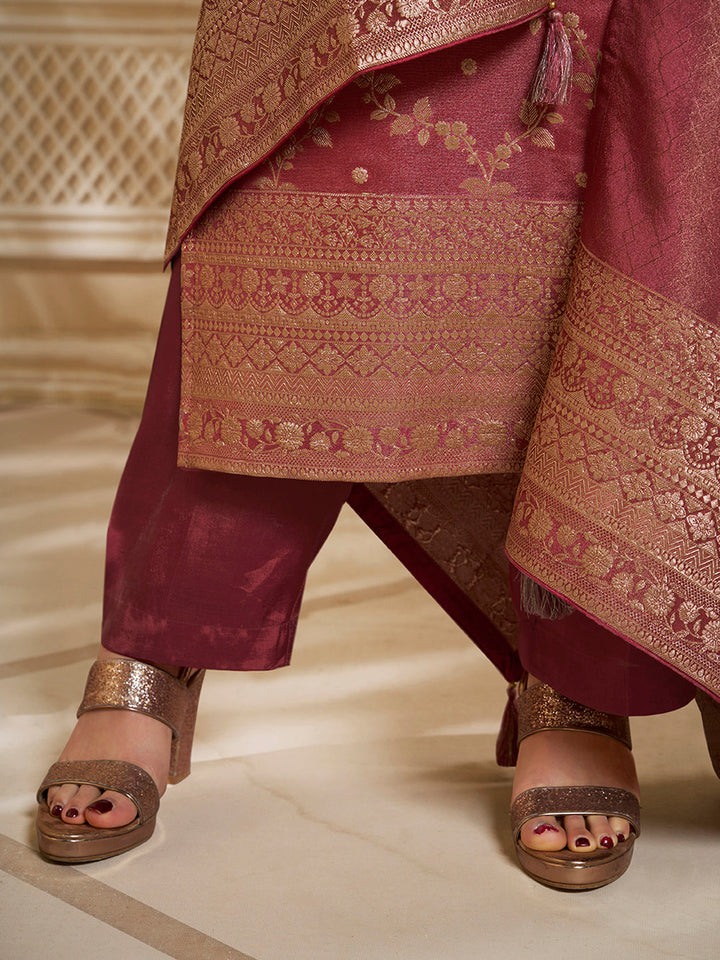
(111, 735)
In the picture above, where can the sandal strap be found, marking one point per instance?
(136, 686)
(542, 708)
(566, 801)
(117, 775)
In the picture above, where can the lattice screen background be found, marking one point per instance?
(90, 112)
(88, 126)
(91, 98)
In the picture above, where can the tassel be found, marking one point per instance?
(506, 747)
(554, 72)
(537, 601)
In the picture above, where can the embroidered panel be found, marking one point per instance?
(340, 323)
(369, 337)
(619, 504)
(460, 523)
(259, 67)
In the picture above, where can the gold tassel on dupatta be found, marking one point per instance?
(554, 71)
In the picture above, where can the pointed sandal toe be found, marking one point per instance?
(121, 685)
(540, 708)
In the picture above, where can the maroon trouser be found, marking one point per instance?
(207, 569)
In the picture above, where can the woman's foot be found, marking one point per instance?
(563, 758)
(111, 735)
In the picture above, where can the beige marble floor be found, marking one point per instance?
(345, 808)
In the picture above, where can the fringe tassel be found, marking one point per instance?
(537, 601)
(506, 747)
(554, 72)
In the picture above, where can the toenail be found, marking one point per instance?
(544, 827)
(582, 842)
(101, 806)
(621, 837)
(606, 842)
(72, 813)
(56, 810)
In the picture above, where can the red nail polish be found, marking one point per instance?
(72, 813)
(607, 843)
(56, 810)
(101, 806)
(621, 837)
(582, 842)
(544, 827)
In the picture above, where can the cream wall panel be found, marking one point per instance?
(73, 334)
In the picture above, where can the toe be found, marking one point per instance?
(620, 828)
(81, 803)
(543, 833)
(74, 806)
(110, 810)
(579, 838)
(87, 804)
(56, 798)
(602, 832)
(61, 798)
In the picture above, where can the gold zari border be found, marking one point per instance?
(260, 67)
(618, 508)
(367, 337)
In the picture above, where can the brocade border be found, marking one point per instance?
(368, 337)
(618, 509)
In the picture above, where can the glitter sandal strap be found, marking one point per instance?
(542, 708)
(136, 686)
(117, 775)
(566, 801)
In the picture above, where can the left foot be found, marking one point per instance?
(111, 735)
(566, 758)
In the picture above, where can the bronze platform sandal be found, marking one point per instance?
(121, 685)
(541, 708)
